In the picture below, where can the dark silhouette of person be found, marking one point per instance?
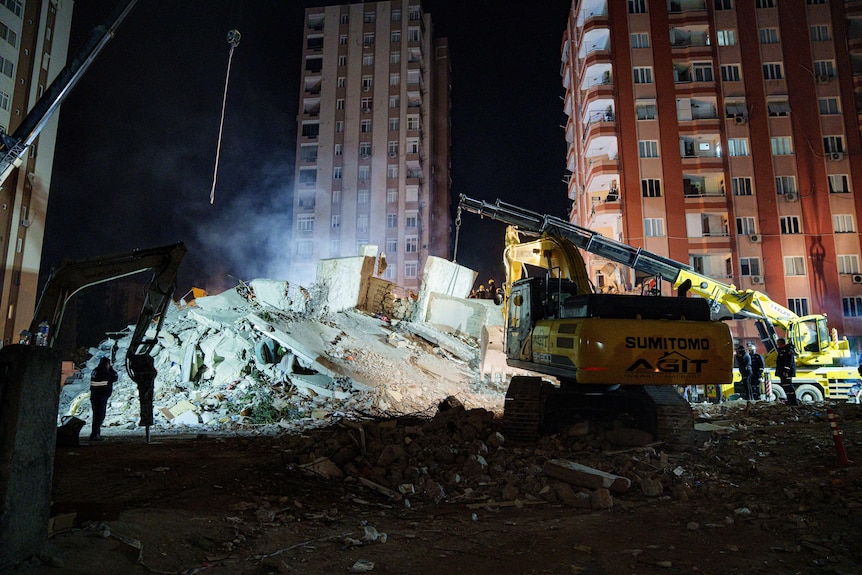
(785, 367)
(757, 367)
(101, 387)
(743, 363)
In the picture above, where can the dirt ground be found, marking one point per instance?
(767, 495)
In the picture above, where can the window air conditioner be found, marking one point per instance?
(366, 88)
(757, 279)
(823, 78)
(393, 154)
(857, 278)
(790, 197)
(740, 119)
(835, 156)
(755, 238)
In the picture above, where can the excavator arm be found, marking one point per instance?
(816, 344)
(71, 276)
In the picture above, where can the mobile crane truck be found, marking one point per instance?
(609, 352)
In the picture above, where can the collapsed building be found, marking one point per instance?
(271, 353)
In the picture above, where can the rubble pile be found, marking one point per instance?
(268, 356)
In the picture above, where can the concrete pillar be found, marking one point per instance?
(29, 398)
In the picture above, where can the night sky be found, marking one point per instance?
(137, 139)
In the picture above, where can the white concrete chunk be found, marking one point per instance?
(578, 474)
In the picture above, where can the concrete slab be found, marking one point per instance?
(345, 280)
(441, 276)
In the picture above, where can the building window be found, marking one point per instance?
(413, 34)
(852, 306)
(411, 270)
(391, 220)
(9, 35)
(367, 104)
(702, 72)
(14, 6)
(364, 172)
(723, 5)
(365, 126)
(843, 223)
(336, 221)
(765, 4)
(392, 148)
(414, 13)
(396, 15)
(368, 59)
(413, 122)
(393, 124)
(337, 151)
(815, 2)
(726, 37)
(339, 104)
(308, 153)
(368, 39)
(778, 107)
(336, 197)
(411, 244)
(828, 106)
(737, 147)
(342, 40)
(394, 79)
(741, 186)
(345, 18)
(363, 196)
(824, 69)
(781, 146)
(306, 199)
(412, 145)
(798, 305)
(848, 264)
(833, 144)
(395, 36)
(640, 40)
(394, 57)
(367, 82)
(643, 75)
(411, 194)
(336, 173)
(648, 148)
(6, 67)
(342, 81)
(304, 250)
(391, 245)
(730, 73)
(653, 227)
(394, 101)
(637, 6)
(745, 226)
(819, 33)
(308, 177)
(339, 126)
(646, 111)
(794, 266)
(768, 35)
(651, 188)
(749, 266)
(4, 100)
(342, 61)
(789, 225)
(392, 171)
(369, 17)
(773, 71)
(362, 223)
(305, 223)
(785, 185)
(391, 195)
(838, 184)
(411, 219)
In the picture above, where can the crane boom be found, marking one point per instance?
(816, 344)
(13, 146)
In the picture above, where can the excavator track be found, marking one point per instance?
(534, 406)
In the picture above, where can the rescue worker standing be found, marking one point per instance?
(743, 363)
(785, 367)
(757, 366)
(101, 386)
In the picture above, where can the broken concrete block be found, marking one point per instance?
(346, 280)
(584, 476)
(442, 277)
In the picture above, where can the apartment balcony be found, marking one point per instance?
(604, 213)
(594, 20)
(599, 124)
(680, 9)
(602, 165)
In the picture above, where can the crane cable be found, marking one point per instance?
(233, 38)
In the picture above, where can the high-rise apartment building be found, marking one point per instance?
(724, 134)
(34, 39)
(372, 158)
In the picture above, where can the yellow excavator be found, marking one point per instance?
(610, 353)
